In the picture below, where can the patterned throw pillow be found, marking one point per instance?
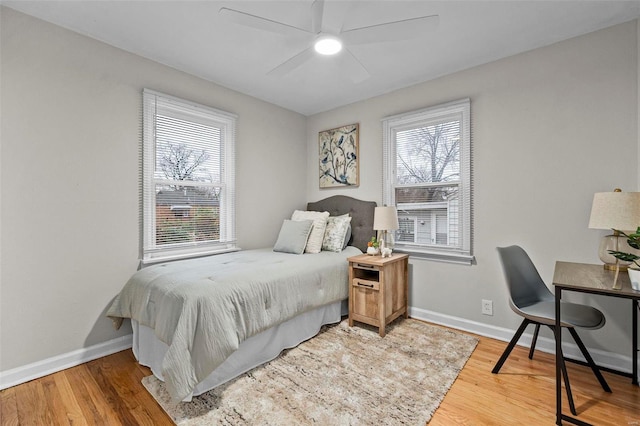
(335, 233)
(314, 243)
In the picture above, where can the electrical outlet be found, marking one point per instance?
(487, 307)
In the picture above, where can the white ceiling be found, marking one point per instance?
(194, 37)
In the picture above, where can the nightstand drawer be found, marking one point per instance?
(366, 284)
(365, 296)
(359, 265)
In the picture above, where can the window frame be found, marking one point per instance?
(150, 252)
(460, 109)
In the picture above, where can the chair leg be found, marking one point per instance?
(510, 346)
(565, 376)
(534, 341)
(590, 361)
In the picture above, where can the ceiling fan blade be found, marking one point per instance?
(260, 23)
(317, 10)
(354, 68)
(292, 63)
(335, 14)
(405, 29)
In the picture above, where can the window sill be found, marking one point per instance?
(446, 257)
(171, 258)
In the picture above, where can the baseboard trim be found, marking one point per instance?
(54, 364)
(38, 369)
(602, 358)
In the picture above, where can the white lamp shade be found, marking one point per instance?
(615, 210)
(619, 211)
(385, 219)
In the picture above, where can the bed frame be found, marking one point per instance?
(268, 344)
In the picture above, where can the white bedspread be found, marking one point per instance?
(204, 308)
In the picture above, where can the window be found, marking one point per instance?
(427, 176)
(188, 197)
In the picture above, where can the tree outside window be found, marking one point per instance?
(186, 213)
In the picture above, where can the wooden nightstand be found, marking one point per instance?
(378, 289)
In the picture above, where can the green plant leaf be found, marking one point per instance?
(632, 239)
(627, 257)
(635, 243)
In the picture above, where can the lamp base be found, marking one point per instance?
(386, 240)
(615, 242)
(610, 267)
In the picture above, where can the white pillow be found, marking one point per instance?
(335, 233)
(314, 243)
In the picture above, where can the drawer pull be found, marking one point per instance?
(365, 285)
(362, 266)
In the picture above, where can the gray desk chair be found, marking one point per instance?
(531, 299)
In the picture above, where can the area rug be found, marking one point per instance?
(343, 376)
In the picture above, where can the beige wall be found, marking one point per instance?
(550, 127)
(71, 111)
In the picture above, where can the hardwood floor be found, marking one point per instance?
(108, 391)
(523, 393)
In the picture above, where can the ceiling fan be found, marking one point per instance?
(324, 40)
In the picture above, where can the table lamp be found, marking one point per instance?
(618, 211)
(385, 219)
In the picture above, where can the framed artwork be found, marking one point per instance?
(338, 158)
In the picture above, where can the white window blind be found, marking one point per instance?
(188, 195)
(427, 176)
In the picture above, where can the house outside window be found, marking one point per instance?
(427, 176)
(407, 228)
(188, 179)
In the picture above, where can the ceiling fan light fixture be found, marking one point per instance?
(328, 45)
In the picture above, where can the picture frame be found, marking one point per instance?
(338, 158)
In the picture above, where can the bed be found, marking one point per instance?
(199, 323)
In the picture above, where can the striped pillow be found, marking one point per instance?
(314, 243)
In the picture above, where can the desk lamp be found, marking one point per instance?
(615, 210)
(385, 219)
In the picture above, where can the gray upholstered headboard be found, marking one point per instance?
(361, 216)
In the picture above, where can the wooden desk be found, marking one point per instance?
(593, 279)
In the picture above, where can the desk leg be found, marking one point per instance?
(634, 361)
(558, 334)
